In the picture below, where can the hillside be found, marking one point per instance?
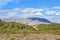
(29, 21)
(18, 31)
(15, 27)
(49, 28)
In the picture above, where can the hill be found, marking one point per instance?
(49, 28)
(40, 19)
(14, 27)
(29, 21)
(18, 28)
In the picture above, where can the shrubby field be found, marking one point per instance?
(18, 31)
(14, 28)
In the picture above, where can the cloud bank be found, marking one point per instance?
(49, 13)
(26, 12)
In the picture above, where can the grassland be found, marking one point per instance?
(18, 28)
(49, 28)
(18, 31)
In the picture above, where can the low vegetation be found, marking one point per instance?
(18, 28)
(49, 28)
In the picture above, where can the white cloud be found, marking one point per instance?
(57, 13)
(31, 12)
(50, 12)
(4, 2)
(56, 7)
(9, 13)
(27, 12)
(39, 12)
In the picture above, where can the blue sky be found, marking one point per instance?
(49, 9)
(32, 3)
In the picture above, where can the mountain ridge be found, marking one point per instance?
(29, 21)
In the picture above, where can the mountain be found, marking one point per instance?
(40, 19)
(29, 21)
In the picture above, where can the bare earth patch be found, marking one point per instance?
(29, 37)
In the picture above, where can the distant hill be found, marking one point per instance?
(40, 19)
(29, 21)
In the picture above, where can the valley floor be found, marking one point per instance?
(29, 37)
